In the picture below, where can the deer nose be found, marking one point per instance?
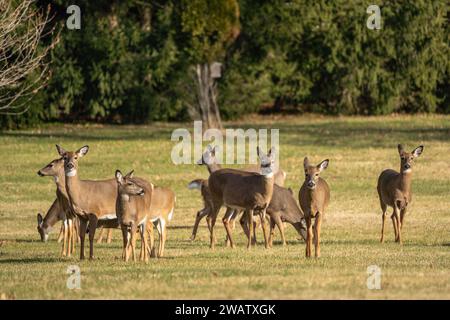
(141, 193)
(311, 184)
(407, 166)
(40, 173)
(70, 166)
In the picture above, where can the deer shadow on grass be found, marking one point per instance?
(29, 260)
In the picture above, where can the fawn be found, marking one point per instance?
(394, 190)
(314, 196)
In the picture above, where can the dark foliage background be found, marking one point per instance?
(132, 61)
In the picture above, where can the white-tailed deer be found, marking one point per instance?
(209, 159)
(284, 208)
(60, 209)
(90, 200)
(314, 196)
(139, 204)
(394, 190)
(241, 190)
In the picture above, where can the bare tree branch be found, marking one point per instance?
(21, 54)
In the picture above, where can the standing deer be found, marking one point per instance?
(394, 190)
(314, 196)
(241, 190)
(209, 159)
(60, 209)
(138, 203)
(90, 200)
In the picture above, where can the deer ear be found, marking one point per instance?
(61, 151)
(258, 152)
(119, 176)
(271, 152)
(82, 151)
(39, 219)
(323, 165)
(417, 151)
(400, 149)
(130, 174)
(306, 163)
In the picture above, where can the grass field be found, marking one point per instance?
(358, 148)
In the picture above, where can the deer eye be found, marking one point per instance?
(129, 183)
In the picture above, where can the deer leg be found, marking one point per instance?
(317, 227)
(211, 222)
(92, 227)
(399, 225)
(402, 217)
(243, 223)
(61, 232)
(164, 237)
(251, 227)
(100, 236)
(394, 223)
(133, 241)
(108, 240)
(309, 236)
(83, 227)
(144, 242)
(280, 226)
(255, 225)
(200, 215)
(124, 243)
(262, 215)
(69, 237)
(271, 231)
(226, 222)
(383, 219)
(66, 234)
(152, 240)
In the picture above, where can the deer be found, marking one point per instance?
(60, 209)
(92, 201)
(241, 190)
(314, 197)
(284, 208)
(210, 161)
(140, 202)
(394, 190)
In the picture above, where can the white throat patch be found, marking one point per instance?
(71, 173)
(56, 179)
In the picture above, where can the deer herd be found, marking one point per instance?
(136, 206)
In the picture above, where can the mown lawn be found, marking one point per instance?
(358, 149)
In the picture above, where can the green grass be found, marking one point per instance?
(359, 148)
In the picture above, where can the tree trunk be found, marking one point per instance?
(207, 98)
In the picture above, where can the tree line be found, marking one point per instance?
(136, 61)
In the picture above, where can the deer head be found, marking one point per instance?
(312, 172)
(52, 169)
(71, 159)
(127, 186)
(266, 162)
(407, 158)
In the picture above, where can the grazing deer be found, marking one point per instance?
(241, 190)
(394, 190)
(314, 196)
(91, 201)
(209, 159)
(284, 208)
(60, 209)
(139, 202)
